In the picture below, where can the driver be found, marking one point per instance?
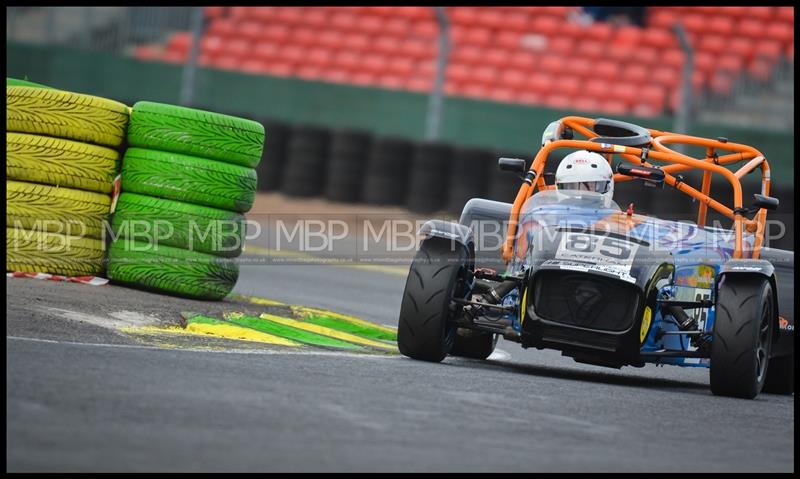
(586, 171)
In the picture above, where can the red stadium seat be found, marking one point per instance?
(345, 21)
(523, 60)
(485, 75)
(308, 72)
(291, 54)
(223, 27)
(720, 25)
(553, 64)
(401, 66)
(280, 69)
(289, 15)
(319, 57)
(419, 84)
(721, 84)
(628, 35)
(357, 42)
(579, 67)
(620, 53)
(660, 38)
(599, 31)
(760, 69)
(750, 27)
(644, 110)
(596, 87)
(637, 73)
(373, 63)
(466, 16)
(457, 72)
(508, 40)
(781, 32)
(742, 47)
(335, 75)
(214, 12)
(762, 13)
(606, 69)
(363, 78)
(546, 25)
(180, 42)
(561, 45)
(225, 62)
(347, 60)
(585, 104)
(265, 51)
(303, 36)
(277, 33)
(591, 49)
(662, 19)
(467, 54)
(492, 19)
(425, 30)
(768, 49)
(695, 23)
(369, 24)
(516, 21)
(386, 45)
(251, 30)
(497, 58)
(316, 18)
(570, 86)
(673, 58)
(146, 52)
(478, 36)
(785, 14)
(330, 39)
(625, 92)
(666, 76)
(238, 48)
(393, 82)
(653, 96)
(542, 83)
(557, 101)
(714, 44)
(731, 63)
(397, 26)
(211, 45)
(513, 79)
(645, 55)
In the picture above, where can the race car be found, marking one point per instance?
(608, 286)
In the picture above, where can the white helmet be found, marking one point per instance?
(586, 171)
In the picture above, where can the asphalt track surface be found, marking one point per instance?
(82, 397)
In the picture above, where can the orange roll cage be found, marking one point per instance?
(677, 162)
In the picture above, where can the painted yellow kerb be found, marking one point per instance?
(314, 328)
(236, 332)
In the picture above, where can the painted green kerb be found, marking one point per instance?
(288, 332)
(358, 330)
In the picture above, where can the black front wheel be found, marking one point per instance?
(743, 334)
(437, 274)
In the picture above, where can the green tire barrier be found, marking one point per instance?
(195, 132)
(63, 114)
(18, 82)
(172, 270)
(56, 210)
(181, 225)
(64, 163)
(40, 252)
(188, 179)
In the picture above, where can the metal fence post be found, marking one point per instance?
(436, 99)
(190, 68)
(681, 124)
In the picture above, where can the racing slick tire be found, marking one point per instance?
(743, 334)
(780, 376)
(171, 270)
(180, 225)
(424, 329)
(32, 251)
(473, 344)
(189, 179)
(64, 163)
(63, 114)
(195, 132)
(56, 210)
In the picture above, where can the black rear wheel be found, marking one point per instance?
(438, 273)
(743, 333)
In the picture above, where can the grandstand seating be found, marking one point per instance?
(531, 55)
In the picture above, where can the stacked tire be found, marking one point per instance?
(187, 178)
(61, 163)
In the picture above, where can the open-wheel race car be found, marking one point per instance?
(608, 286)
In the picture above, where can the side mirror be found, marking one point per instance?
(513, 165)
(653, 175)
(766, 202)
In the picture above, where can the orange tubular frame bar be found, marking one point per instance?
(677, 162)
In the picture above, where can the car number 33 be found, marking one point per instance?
(596, 249)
